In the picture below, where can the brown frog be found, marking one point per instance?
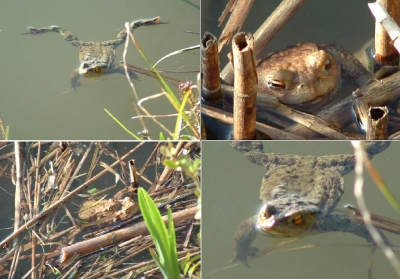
(298, 195)
(96, 58)
(307, 76)
(120, 207)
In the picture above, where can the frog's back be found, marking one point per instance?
(302, 187)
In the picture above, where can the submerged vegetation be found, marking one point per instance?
(186, 107)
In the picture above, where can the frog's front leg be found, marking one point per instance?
(67, 35)
(253, 150)
(74, 79)
(119, 69)
(347, 223)
(244, 236)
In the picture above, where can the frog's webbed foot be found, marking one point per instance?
(74, 79)
(136, 24)
(253, 150)
(344, 163)
(375, 147)
(244, 236)
(247, 146)
(67, 35)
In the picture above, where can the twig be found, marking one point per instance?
(211, 85)
(268, 30)
(376, 94)
(389, 24)
(134, 94)
(358, 193)
(36, 199)
(18, 189)
(240, 10)
(244, 108)
(271, 132)
(377, 123)
(55, 205)
(79, 249)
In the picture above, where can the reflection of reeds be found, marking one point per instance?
(187, 117)
(46, 193)
(380, 241)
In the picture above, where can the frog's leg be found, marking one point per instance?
(244, 236)
(352, 69)
(345, 163)
(119, 69)
(347, 223)
(67, 35)
(133, 25)
(253, 150)
(74, 79)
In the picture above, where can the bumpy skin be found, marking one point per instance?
(298, 193)
(120, 207)
(96, 58)
(307, 76)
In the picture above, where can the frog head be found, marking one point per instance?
(92, 67)
(286, 221)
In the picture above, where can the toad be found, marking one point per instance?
(307, 76)
(298, 195)
(120, 207)
(96, 58)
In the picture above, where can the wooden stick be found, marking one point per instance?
(74, 251)
(265, 106)
(360, 108)
(210, 88)
(167, 171)
(379, 221)
(388, 23)
(245, 97)
(377, 123)
(376, 94)
(385, 52)
(35, 211)
(240, 9)
(133, 177)
(18, 189)
(268, 30)
(271, 132)
(55, 205)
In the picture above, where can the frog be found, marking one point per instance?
(96, 58)
(120, 207)
(307, 76)
(298, 195)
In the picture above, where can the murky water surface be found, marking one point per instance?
(231, 187)
(34, 77)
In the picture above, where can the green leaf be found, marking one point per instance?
(93, 191)
(164, 240)
(122, 125)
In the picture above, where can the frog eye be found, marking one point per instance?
(297, 219)
(275, 84)
(97, 69)
(111, 208)
(328, 66)
(128, 211)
